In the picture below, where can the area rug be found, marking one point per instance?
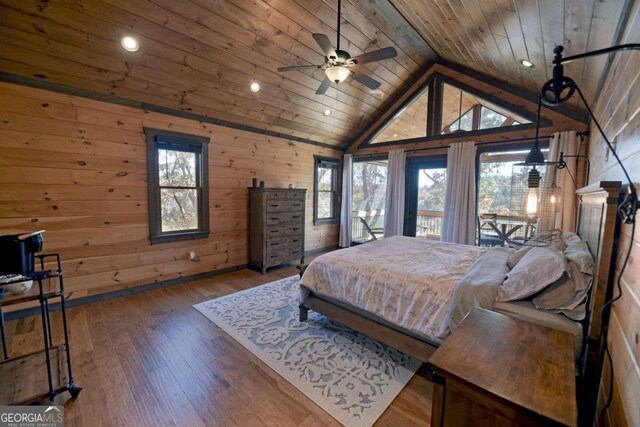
(350, 376)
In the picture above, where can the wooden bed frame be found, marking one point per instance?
(598, 226)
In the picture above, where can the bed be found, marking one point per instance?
(398, 290)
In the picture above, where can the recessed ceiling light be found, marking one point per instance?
(130, 43)
(327, 112)
(527, 64)
(255, 87)
(395, 135)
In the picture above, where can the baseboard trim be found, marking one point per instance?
(19, 314)
(31, 311)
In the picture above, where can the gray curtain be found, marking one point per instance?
(459, 221)
(394, 201)
(345, 207)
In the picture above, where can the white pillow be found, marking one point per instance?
(538, 268)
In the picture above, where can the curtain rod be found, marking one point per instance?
(580, 134)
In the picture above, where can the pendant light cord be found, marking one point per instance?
(538, 121)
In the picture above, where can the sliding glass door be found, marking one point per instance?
(425, 188)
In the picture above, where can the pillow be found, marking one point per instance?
(578, 252)
(478, 286)
(558, 244)
(566, 293)
(517, 256)
(537, 269)
(570, 237)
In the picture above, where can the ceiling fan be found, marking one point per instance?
(339, 64)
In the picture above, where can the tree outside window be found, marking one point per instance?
(326, 199)
(178, 186)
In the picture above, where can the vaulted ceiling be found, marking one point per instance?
(492, 36)
(199, 56)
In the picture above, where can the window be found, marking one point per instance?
(326, 206)
(464, 111)
(369, 191)
(410, 122)
(494, 187)
(177, 170)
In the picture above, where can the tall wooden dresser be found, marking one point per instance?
(276, 226)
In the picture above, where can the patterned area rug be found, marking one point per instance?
(349, 375)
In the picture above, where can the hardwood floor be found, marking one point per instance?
(151, 359)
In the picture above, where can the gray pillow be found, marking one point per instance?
(517, 256)
(478, 286)
(537, 269)
(578, 252)
(566, 293)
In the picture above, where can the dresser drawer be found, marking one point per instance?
(297, 195)
(282, 242)
(276, 218)
(282, 255)
(277, 231)
(277, 195)
(285, 205)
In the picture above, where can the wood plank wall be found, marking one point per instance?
(618, 111)
(77, 168)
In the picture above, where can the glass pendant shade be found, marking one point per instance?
(337, 73)
(555, 198)
(532, 201)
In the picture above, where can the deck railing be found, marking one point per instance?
(359, 231)
(429, 224)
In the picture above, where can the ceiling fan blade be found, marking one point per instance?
(322, 89)
(365, 80)
(325, 45)
(298, 67)
(376, 55)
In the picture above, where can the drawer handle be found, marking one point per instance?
(296, 204)
(295, 216)
(273, 256)
(274, 244)
(274, 219)
(295, 240)
(296, 228)
(274, 231)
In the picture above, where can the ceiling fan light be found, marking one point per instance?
(337, 74)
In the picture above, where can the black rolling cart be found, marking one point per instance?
(47, 372)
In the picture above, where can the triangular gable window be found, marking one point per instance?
(463, 111)
(409, 122)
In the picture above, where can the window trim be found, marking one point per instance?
(336, 190)
(199, 145)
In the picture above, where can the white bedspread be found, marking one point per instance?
(403, 280)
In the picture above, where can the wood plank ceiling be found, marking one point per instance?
(492, 36)
(201, 55)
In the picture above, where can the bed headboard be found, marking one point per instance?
(598, 225)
